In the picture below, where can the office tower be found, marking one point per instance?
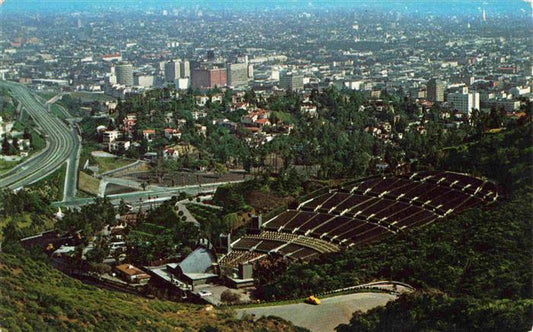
(291, 81)
(238, 74)
(145, 81)
(124, 72)
(211, 55)
(182, 83)
(435, 90)
(203, 78)
(172, 70)
(464, 101)
(185, 69)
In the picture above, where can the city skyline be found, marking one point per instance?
(448, 7)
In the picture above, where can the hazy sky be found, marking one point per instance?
(443, 7)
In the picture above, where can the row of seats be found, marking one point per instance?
(367, 211)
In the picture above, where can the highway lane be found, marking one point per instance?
(60, 142)
(144, 197)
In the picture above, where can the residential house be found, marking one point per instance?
(110, 136)
(119, 146)
(131, 274)
(170, 153)
(149, 134)
(129, 122)
(171, 133)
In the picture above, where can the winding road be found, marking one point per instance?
(62, 144)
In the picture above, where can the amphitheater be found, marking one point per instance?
(362, 212)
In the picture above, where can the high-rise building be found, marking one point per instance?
(185, 69)
(291, 81)
(464, 101)
(435, 90)
(238, 74)
(210, 55)
(204, 78)
(124, 72)
(145, 81)
(172, 70)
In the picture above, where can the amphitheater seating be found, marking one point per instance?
(281, 219)
(361, 213)
(312, 223)
(335, 200)
(316, 202)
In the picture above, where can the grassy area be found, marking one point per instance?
(88, 184)
(48, 95)
(25, 221)
(51, 187)
(37, 141)
(37, 297)
(7, 165)
(109, 164)
(88, 97)
(57, 111)
(203, 214)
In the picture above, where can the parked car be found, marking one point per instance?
(204, 293)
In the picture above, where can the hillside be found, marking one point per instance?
(473, 271)
(36, 297)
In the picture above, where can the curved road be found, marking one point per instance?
(61, 141)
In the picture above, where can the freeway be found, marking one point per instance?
(61, 141)
(156, 194)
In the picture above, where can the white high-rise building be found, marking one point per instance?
(146, 81)
(185, 69)
(464, 101)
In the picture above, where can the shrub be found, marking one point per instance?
(228, 296)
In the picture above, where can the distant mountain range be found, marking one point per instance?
(444, 7)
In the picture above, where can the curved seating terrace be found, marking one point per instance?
(363, 212)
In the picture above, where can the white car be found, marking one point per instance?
(204, 293)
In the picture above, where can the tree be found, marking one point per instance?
(230, 297)
(123, 207)
(15, 144)
(6, 147)
(220, 169)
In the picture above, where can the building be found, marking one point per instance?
(146, 81)
(182, 83)
(508, 105)
(119, 146)
(5, 127)
(464, 101)
(199, 268)
(238, 74)
(124, 73)
(110, 136)
(204, 78)
(172, 70)
(291, 81)
(131, 274)
(185, 69)
(435, 90)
